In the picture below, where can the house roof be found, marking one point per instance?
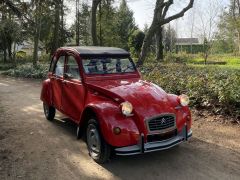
(186, 41)
(96, 50)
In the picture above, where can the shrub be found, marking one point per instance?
(208, 87)
(7, 66)
(28, 71)
(181, 57)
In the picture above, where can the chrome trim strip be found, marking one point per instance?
(154, 146)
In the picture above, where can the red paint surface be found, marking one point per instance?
(104, 94)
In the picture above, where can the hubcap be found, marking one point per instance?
(94, 142)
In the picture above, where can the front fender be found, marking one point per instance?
(110, 116)
(183, 113)
(46, 92)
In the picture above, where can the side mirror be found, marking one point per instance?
(67, 76)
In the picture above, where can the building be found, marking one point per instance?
(188, 45)
(27, 48)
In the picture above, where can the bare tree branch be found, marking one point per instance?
(178, 15)
(166, 7)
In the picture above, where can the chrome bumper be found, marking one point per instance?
(154, 146)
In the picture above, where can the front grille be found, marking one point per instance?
(161, 123)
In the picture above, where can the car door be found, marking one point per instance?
(73, 90)
(57, 80)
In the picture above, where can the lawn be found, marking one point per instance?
(221, 61)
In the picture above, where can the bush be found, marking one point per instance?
(28, 71)
(208, 87)
(7, 66)
(181, 57)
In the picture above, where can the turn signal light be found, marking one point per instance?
(116, 130)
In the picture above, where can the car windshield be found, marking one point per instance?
(108, 65)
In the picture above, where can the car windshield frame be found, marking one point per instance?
(100, 58)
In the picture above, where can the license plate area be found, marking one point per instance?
(162, 136)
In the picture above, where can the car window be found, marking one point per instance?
(72, 68)
(60, 66)
(51, 69)
(108, 66)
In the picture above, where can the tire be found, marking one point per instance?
(78, 132)
(98, 149)
(49, 112)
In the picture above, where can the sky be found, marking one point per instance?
(143, 14)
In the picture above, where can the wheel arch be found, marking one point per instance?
(108, 116)
(87, 113)
(46, 93)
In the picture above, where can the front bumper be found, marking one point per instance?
(154, 146)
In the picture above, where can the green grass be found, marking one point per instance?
(228, 61)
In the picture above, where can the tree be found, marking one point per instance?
(55, 40)
(169, 38)
(10, 30)
(77, 23)
(135, 42)
(37, 32)
(225, 39)
(125, 24)
(160, 18)
(235, 11)
(9, 34)
(107, 25)
(95, 4)
(206, 26)
(84, 26)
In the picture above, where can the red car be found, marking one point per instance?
(100, 89)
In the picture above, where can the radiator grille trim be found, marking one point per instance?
(161, 124)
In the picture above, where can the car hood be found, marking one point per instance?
(147, 98)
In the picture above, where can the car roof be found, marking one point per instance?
(98, 51)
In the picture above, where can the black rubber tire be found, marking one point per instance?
(78, 132)
(105, 149)
(49, 112)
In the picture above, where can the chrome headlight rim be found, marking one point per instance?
(184, 100)
(126, 108)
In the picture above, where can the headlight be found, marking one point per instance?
(184, 100)
(127, 108)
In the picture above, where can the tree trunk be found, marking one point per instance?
(55, 42)
(100, 24)
(14, 54)
(159, 45)
(205, 58)
(62, 22)
(9, 49)
(5, 55)
(36, 34)
(160, 19)
(238, 41)
(35, 50)
(94, 21)
(145, 46)
(77, 24)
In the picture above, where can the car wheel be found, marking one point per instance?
(98, 149)
(49, 112)
(78, 132)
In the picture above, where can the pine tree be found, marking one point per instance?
(125, 24)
